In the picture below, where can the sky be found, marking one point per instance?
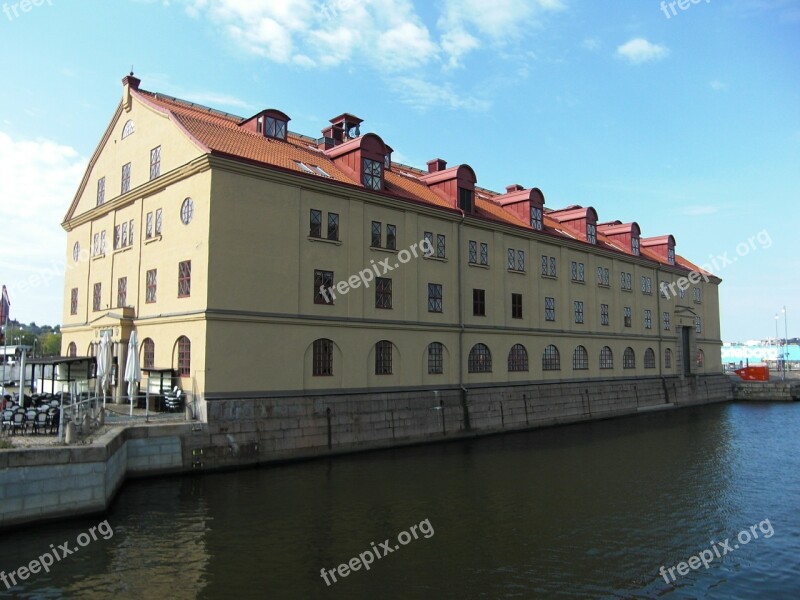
(686, 120)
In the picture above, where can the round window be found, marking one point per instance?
(76, 251)
(187, 210)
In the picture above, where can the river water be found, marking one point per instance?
(591, 510)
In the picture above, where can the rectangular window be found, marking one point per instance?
(102, 242)
(117, 236)
(383, 358)
(698, 325)
(553, 272)
(97, 296)
(130, 232)
(682, 292)
(606, 277)
(383, 292)
(648, 319)
(696, 294)
(428, 236)
(626, 281)
(372, 175)
(333, 226)
(391, 237)
(603, 277)
(152, 281)
(512, 259)
(184, 279)
(101, 190)
(578, 271)
(516, 306)
(536, 218)
(521, 260)
(323, 282)
(604, 314)
(635, 246)
(126, 178)
(544, 265)
(155, 162)
(473, 252)
(671, 256)
(627, 316)
(484, 254)
(440, 246)
(549, 309)
(666, 321)
(479, 303)
(376, 235)
(96, 245)
(122, 291)
(124, 240)
(149, 227)
(315, 224)
(158, 221)
(435, 297)
(578, 311)
(516, 260)
(322, 358)
(466, 200)
(73, 301)
(435, 358)
(647, 285)
(591, 233)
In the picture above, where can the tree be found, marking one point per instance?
(50, 344)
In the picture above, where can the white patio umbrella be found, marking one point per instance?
(133, 372)
(104, 363)
(21, 377)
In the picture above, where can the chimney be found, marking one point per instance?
(129, 82)
(343, 128)
(436, 165)
(514, 187)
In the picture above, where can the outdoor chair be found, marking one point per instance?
(53, 418)
(55, 403)
(30, 415)
(174, 401)
(40, 423)
(18, 423)
(8, 419)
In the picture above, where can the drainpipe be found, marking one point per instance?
(461, 386)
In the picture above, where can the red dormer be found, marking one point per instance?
(343, 128)
(578, 218)
(455, 185)
(528, 204)
(362, 159)
(663, 246)
(270, 123)
(625, 234)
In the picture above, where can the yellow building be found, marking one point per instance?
(257, 263)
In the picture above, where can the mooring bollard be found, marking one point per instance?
(70, 433)
(188, 413)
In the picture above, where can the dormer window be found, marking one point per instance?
(372, 176)
(591, 233)
(671, 255)
(275, 128)
(635, 246)
(466, 200)
(387, 161)
(536, 218)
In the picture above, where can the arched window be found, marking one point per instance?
(322, 358)
(667, 358)
(480, 359)
(606, 358)
(700, 359)
(383, 358)
(580, 359)
(551, 359)
(649, 359)
(184, 356)
(628, 359)
(149, 353)
(72, 350)
(128, 129)
(435, 358)
(518, 358)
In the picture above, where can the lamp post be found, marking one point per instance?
(786, 341)
(776, 337)
(34, 347)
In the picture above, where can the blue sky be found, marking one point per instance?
(687, 123)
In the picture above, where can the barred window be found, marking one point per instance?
(435, 358)
(149, 353)
(126, 178)
(552, 266)
(580, 359)
(275, 128)
(101, 190)
(578, 311)
(666, 321)
(480, 359)
(73, 301)
(97, 296)
(155, 162)
(591, 233)
(440, 246)
(383, 358)
(649, 359)
(124, 241)
(696, 294)
(520, 260)
(184, 356)
(122, 291)
(149, 227)
(435, 297)
(429, 245)
(648, 319)
(517, 358)
(383, 292)
(391, 237)
(549, 309)
(628, 359)
(184, 279)
(484, 254)
(322, 358)
(372, 174)
(536, 218)
(323, 282)
(667, 358)
(512, 259)
(333, 226)
(376, 234)
(315, 224)
(606, 358)
(473, 252)
(117, 236)
(627, 316)
(635, 246)
(551, 359)
(604, 314)
(544, 265)
(158, 221)
(671, 256)
(151, 281)
(698, 326)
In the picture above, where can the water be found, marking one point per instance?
(582, 511)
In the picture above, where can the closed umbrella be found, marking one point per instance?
(104, 363)
(133, 372)
(22, 379)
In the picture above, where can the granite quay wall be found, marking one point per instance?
(47, 483)
(769, 391)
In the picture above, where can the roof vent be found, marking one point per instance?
(436, 165)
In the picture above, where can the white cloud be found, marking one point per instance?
(591, 44)
(38, 179)
(639, 50)
(718, 86)
(422, 94)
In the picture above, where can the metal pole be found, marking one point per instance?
(5, 354)
(776, 340)
(786, 340)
